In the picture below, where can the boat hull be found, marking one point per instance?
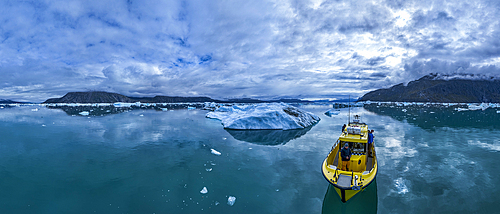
(346, 193)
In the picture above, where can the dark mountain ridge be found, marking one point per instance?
(435, 88)
(2, 101)
(107, 97)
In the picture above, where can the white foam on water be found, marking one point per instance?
(215, 152)
(231, 200)
(401, 186)
(492, 147)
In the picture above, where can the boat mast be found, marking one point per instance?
(349, 106)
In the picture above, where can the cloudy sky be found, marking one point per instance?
(239, 48)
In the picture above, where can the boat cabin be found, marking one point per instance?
(356, 135)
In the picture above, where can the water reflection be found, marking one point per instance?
(89, 110)
(268, 137)
(364, 202)
(432, 117)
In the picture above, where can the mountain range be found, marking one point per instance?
(442, 89)
(107, 97)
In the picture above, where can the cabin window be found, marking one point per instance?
(355, 147)
(358, 147)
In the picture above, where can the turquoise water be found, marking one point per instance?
(431, 160)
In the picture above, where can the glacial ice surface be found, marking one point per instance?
(264, 116)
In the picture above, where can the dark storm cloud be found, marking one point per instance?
(261, 48)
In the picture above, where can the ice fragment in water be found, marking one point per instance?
(215, 152)
(231, 200)
(84, 113)
(204, 190)
(209, 170)
(216, 203)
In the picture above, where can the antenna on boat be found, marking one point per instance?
(349, 106)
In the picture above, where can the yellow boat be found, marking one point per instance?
(363, 164)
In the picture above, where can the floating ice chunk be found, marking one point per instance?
(404, 110)
(332, 112)
(118, 105)
(498, 112)
(84, 113)
(209, 169)
(231, 200)
(191, 107)
(35, 109)
(142, 115)
(204, 190)
(216, 203)
(215, 152)
(264, 116)
(164, 109)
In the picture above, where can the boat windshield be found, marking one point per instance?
(356, 147)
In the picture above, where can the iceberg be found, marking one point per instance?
(263, 116)
(231, 200)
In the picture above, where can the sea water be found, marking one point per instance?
(431, 160)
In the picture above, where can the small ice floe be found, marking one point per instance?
(191, 107)
(332, 112)
(215, 152)
(142, 115)
(84, 113)
(209, 169)
(404, 110)
(231, 200)
(122, 105)
(164, 109)
(498, 112)
(204, 190)
(35, 109)
(216, 203)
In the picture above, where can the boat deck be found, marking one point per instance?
(344, 181)
(369, 163)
